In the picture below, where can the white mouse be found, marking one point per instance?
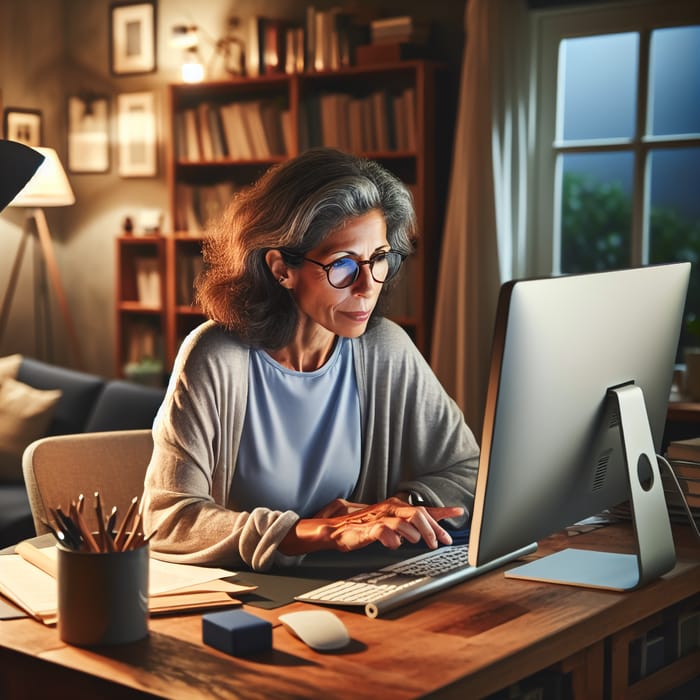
(320, 629)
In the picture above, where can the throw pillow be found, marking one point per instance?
(25, 414)
(9, 366)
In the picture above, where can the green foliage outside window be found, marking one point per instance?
(595, 236)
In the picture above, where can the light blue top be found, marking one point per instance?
(300, 446)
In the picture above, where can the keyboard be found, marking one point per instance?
(403, 582)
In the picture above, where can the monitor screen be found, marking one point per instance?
(572, 356)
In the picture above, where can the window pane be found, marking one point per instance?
(674, 216)
(674, 81)
(598, 86)
(596, 211)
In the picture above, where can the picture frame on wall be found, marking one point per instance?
(88, 133)
(23, 125)
(136, 135)
(132, 34)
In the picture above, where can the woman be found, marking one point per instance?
(296, 419)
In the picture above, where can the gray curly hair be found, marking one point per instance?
(293, 207)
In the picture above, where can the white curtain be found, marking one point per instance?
(484, 239)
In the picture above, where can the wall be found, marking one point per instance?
(50, 49)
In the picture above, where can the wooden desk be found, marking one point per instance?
(466, 642)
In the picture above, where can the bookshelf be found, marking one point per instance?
(183, 262)
(141, 317)
(398, 114)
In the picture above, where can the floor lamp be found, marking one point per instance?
(48, 188)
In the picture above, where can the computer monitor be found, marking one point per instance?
(579, 384)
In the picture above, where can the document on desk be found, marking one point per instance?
(28, 579)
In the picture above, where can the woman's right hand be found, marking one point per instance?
(390, 522)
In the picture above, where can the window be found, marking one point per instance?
(619, 139)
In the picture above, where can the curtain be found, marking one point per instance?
(483, 240)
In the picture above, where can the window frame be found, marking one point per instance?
(547, 29)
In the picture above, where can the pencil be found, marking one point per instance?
(134, 531)
(121, 534)
(84, 530)
(107, 544)
(110, 522)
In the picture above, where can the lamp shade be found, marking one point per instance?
(18, 163)
(49, 187)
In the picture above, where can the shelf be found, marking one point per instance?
(201, 186)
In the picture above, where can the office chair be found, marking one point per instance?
(59, 468)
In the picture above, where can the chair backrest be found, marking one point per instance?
(58, 469)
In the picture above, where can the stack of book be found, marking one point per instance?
(399, 30)
(251, 129)
(395, 39)
(378, 121)
(684, 457)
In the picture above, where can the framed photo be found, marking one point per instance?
(136, 134)
(88, 133)
(23, 125)
(132, 34)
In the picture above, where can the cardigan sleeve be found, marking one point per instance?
(415, 435)
(196, 435)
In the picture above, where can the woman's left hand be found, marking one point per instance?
(339, 506)
(390, 522)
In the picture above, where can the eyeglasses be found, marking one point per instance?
(343, 272)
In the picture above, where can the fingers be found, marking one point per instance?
(425, 523)
(391, 522)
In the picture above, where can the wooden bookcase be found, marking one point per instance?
(419, 156)
(141, 308)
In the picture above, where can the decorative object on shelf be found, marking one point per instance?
(229, 50)
(23, 125)
(132, 38)
(137, 134)
(48, 188)
(88, 133)
(150, 222)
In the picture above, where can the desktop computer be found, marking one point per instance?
(580, 377)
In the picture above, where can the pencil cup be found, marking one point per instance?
(102, 597)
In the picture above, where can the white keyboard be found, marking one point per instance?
(397, 584)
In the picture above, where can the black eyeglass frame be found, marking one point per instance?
(329, 266)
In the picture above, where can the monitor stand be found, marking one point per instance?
(655, 550)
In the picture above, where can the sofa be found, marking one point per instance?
(65, 401)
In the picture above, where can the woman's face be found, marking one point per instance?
(344, 312)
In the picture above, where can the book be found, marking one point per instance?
(28, 579)
(148, 281)
(193, 147)
(253, 62)
(238, 140)
(271, 113)
(688, 450)
(255, 128)
(218, 136)
(409, 97)
(206, 140)
(399, 29)
(273, 35)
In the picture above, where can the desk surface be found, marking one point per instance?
(467, 641)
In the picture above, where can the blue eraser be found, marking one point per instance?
(236, 632)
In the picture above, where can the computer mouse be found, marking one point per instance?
(320, 629)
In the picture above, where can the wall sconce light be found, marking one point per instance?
(186, 37)
(230, 48)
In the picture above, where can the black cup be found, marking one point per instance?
(102, 597)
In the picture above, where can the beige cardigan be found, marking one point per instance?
(414, 438)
